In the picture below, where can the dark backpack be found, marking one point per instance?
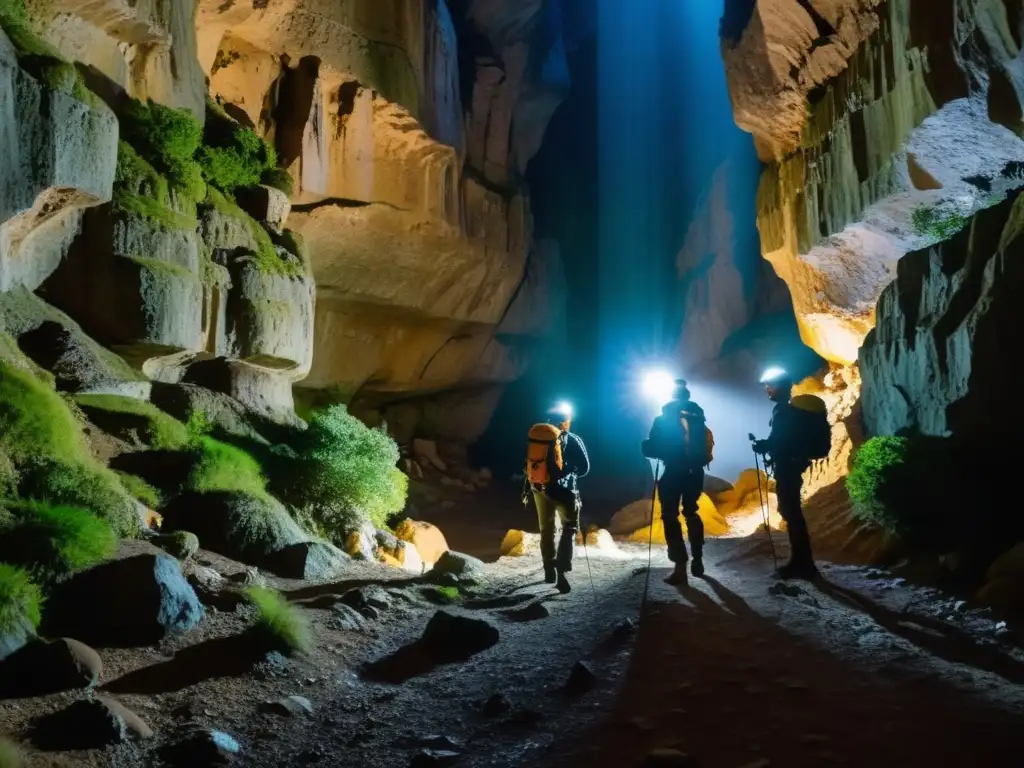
(817, 432)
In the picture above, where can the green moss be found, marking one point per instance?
(118, 414)
(231, 155)
(168, 139)
(179, 544)
(82, 483)
(53, 542)
(19, 598)
(10, 755)
(17, 24)
(218, 466)
(141, 490)
(140, 190)
(265, 258)
(937, 223)
(198, 424)
(279, 622)
(34, 421)
(278, 178)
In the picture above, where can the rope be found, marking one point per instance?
(764, 506)
(650, 541)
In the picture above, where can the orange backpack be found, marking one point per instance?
(543, 444)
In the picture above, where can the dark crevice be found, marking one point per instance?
(735, 19)
(294, 105)
(340, 202)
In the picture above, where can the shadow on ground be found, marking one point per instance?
(715, 679)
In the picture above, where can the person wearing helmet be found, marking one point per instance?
(556, 460)
(679, 437)
(789, 459)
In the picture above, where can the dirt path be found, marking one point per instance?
(735, 669)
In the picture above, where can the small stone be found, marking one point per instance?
(581, 679)
(89, 724)
(289, 706)
(202, 747)
(762, 763)
(446, 580)
(456, 638)
(250, 577)
(442, 743)
(959, 605)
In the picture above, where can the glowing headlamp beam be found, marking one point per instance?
(563, 408)
(659, 386)
(772, 374)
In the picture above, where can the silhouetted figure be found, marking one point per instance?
(556, 459)
(680, 438)
(800, 433)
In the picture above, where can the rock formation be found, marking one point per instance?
(937, 362)
(884, 127)
(407, 175)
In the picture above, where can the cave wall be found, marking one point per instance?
(407, 128)
(405, 265)
(938, 360)
(866, 113)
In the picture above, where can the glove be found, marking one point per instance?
(761, 447)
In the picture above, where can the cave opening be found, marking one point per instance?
(650, 190)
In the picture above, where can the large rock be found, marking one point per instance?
(634, 521)
(451, 637)
(135, 601)
(936, 361)
(855, 151)
(59, 157)
(427, 538)
(256, 530)
(311, 560)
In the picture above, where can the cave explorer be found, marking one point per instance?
(800, 433)
(556, 458)
(680, 438)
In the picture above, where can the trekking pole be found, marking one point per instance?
(764, 506)
(586, 556)
(650, 541)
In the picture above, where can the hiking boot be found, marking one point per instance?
(804, 571)
(550, 575)
(563, 585)
(678, 576)
(697, 567)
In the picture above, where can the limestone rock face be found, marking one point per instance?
(144, 47)
(58, 158)
(407, 190)
(937, 361)
(884, 126)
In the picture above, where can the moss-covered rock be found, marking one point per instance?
(21, 603)
(41, 438)
(179, 544)
(250, 528)
(134, 420)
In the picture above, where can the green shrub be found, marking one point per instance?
(168, 138)
(937, 223)
(283, 626)
(17, 24)
(278, 178)
(232, 155)
(10, 755)
(34, 421)
(345, 473)
(141, 490)
(219, 466)
(53, 542)
(19, 598)
(118, 414)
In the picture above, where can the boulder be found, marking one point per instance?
(460, 565)
(249, 528)
(180, 544)
(450, 637)
(265, 204)
(361, 544)
(427, 538)
(520, 543)
(289, 706)
(42, 668)
(135, 601)
(309, 560)
(89, 724)
(634, 521)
